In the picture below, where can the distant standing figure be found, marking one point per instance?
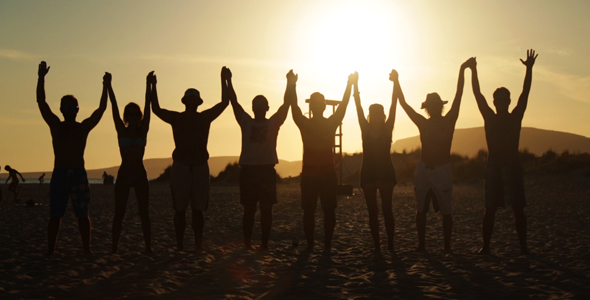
(433, 181)
(504, 175)
(12, 174)
(69, 179)
(258, 182)
(190, 170)
(377, 172)
(41, 179)
(318, 177)
(132, 136)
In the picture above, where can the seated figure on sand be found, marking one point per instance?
(504, 174)
(132, 136)
(12, 174)
(318, 177)
(189, 177)
(433, 181)
(69, 179)
(377, 172)
(258, 178)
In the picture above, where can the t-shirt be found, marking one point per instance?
(318, 140)
(259, 140)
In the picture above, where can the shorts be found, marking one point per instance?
(190, 185)
(69, 183)
(504, 185)
(319, 181)
(434, 180)
(258, 183)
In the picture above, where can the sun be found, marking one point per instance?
(364, 36)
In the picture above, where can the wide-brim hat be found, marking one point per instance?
(432, 99)
(192, 93)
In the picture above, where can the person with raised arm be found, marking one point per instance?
(504, 176)
(13, 174)
(132, 136)
(189, 177)
(377, 172)
(318, 176)
(258, 178)
(433, 181)
(69, 179)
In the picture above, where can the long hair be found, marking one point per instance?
(128, 109)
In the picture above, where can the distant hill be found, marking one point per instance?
(468, 141)
(155, 167)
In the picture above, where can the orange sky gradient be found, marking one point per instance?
(187, 43)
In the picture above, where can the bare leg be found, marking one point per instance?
(142, 194)
(265, 222)
(84, 227)
(370, 192)
(329, 225)
(447, 231)
(52, 233)
(387, 209)
(421, 227)
(179, 226)
(248, 223)
(198, 225)
(121, 197)
(488, 227)
(309, 225)
(521, 228)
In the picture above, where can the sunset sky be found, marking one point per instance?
(187, 43)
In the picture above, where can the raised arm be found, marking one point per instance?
(394, 96)
(214, 112)
(291, 97)
(50, 118)
(482, 104)
(229, 92)
(412, 114)
(119, 125)
(341, 110)
(453, 113)
(150, 86)
(359, 108)
(91, 121)
(164, 114)
(282, 112)
(528, 78)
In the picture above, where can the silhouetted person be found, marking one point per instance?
(318, 177)
(132, 136)
(377, 172)
(12, 174)
(190, 171)
(433, 181)
(504, 174)
(258, 178)
(41, 179)
(69, 179)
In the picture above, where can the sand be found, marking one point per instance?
(558, 268)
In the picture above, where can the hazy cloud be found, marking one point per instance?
(16, 54)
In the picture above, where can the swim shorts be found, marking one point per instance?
(190, 185)
(258, 183)
(72, 184)
(437, 179)
(319, 181)
(504, 185)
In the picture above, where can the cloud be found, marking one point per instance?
(16, 54)
(572, 86)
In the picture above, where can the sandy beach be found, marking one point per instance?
(558, 268)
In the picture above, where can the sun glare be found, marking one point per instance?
(363, 36)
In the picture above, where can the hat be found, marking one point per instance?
(433, 98)
(193, 93)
